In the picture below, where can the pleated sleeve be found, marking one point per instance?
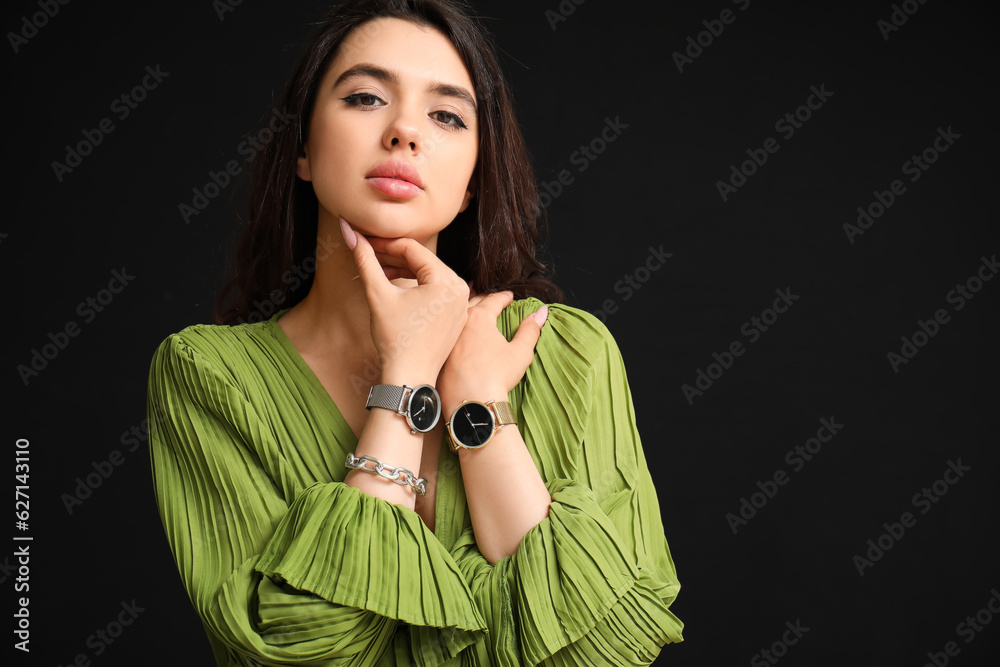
(593, 582)
(283, 572)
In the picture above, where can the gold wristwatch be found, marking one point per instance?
(473, 424)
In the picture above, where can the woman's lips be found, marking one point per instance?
(395, 187)
(396, 178)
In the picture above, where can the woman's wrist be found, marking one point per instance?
(387, 437)
(402, 375)
(483, 393)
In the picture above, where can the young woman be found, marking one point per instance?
(413, 461)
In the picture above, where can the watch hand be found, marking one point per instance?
(470, 419)
(419, 411)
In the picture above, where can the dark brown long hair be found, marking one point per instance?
(495, 242)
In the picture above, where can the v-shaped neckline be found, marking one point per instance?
(341, 428)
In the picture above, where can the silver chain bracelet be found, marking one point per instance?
(400, 475)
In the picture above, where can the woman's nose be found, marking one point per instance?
(403, 130)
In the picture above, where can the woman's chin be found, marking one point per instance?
(394, 229)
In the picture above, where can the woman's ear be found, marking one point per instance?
(469, 193)
(302, 168)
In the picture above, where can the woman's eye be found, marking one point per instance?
(364, 100)
(450, 120)
(369, 101)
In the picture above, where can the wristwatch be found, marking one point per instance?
(421, 405)
(473, 424)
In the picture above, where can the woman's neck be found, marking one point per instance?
(334, 317)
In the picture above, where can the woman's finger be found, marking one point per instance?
(526, 336)
(369, 269)
(495, 303)
(385, 259)
(393, 272)
(425, 265)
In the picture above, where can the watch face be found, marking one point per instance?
(424, 408)
(472, 424)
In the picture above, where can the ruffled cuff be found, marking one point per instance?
(491, 586)
(357, 550)
(573, 573)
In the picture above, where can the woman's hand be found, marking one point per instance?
(413, 328)
(483, 366)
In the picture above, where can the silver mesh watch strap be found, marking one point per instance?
(388, 396)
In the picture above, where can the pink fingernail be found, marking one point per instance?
(541, 315)
(350, 238)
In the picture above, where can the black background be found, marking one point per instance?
(655, 185)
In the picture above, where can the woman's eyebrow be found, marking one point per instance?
(390, 76)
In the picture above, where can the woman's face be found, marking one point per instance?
(395, 92)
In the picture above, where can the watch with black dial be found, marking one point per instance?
(473, 424)
(421, 405)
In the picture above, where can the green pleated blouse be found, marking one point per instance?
(287, 565)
